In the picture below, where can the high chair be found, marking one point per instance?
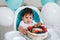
(10, 35)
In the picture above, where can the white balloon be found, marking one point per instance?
(51, 14)
(6, 16)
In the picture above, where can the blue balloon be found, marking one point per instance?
(14, 4)
(46, 1)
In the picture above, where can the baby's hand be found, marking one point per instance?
(25, 31)
(22, 30)
(39, 24)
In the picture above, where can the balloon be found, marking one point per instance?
(6, 16)
(51, 14)
(35, 3)
(14, 4)
(46, 1)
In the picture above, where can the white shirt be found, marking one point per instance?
(24, 25)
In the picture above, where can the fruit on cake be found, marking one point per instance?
(37, 32)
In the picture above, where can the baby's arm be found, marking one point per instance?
(21, 29)
(38, 24)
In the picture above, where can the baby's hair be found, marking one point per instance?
(27, 11)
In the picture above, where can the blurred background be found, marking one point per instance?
(36, 3)
(31, 2)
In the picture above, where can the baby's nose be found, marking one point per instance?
(28, 18)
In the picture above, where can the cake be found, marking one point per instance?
(37, 32)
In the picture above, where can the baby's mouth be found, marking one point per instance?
(28, 21)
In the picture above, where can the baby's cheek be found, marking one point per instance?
(26, 20)
(31, 20)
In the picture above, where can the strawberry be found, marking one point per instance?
(43, 27)
(36, 31)
(45, 30)
(29, 28)
(40, 30)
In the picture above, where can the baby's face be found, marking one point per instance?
(27, 18)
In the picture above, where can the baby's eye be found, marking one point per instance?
(30, 17)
